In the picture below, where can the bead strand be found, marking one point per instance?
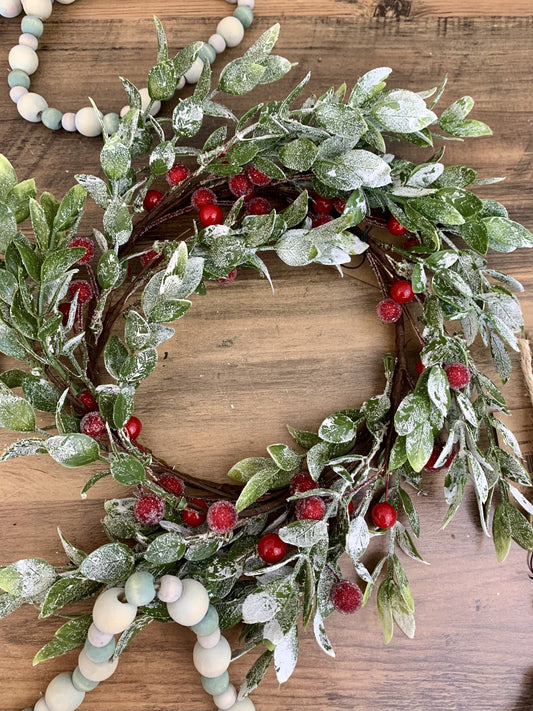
(24, 62)
(115, 609)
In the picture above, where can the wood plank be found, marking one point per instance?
(289, 357)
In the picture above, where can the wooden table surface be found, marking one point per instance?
(245, 362)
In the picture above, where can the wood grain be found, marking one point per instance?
(245, 362)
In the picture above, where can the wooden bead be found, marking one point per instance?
(16, 93)
(245, 16)
(243, 705)
(38, 8)
(111, 615)
(81, 682)
(87, 124)
(139, 588)
(194, 73)
(226, 699)
(62, 695)
(68, 121)
(231, 30)
(192, 604)
(216, 684)
(10, 8)
(181, 83)
(214, 661)
(145, 101)
(65, 2)
(98, 638)
(51, 118)
(29, 40)
(32, 25)
(23, 57)
(249, 3)
(218, 43)
(210, 640)
(30, 106)
(41, 705)
(18, 77)
(170, 588)
(208, 624)
(111, 123)
(96, 671)
(99, 654)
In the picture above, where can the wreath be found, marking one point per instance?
(310, 181)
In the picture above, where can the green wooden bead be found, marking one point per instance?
(82, 683)
(217, 684)
(208, 624)
(62, 695)
(51, 118)
(100, 654)
(207, 52)
(244, 15)
(18, 77)
(111, 123)
(139, 588)
(33, 25)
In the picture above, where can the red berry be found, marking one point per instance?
(147, 257)
(133, 427)
(350, 508)
(211, 215)
(222, 516)
(64, 310)
(177, 174)
(88, 399)
(388, 311)
(259, 206)
(346, 597)
(458, 375)
(149, 509)
(89, 248)
(419, 367)
(82, 288)
(193, 517)
(429, 466)
(322, 205)
(402, 292)
(230, 278)
(271, 548)
(300, 482)
(256, 177)
(383, 515)
(240, 186)
(339, 204)
(395, 227)
(317, 220)
(411, 242)
(201, 197)
(93, 425)
(172, 482)
(312, 508)
(151, 199)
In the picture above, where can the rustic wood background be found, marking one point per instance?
(245, 362)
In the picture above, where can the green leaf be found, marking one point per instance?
(341, 120)
(398, 455)
(115, 158)
(410, 510)
(139, 366)
(385, 592)
(74, 554)
(69, 208)
(299, 154)
(39, 224)
(28, 578)
(166, 548)
(19, 198)
(115, 354)
(162, 80)
(403, 111)
(259, 484)
(168, 310)
(65, 591)
(275, 68)
(509, 466)
(303, 534)
(501, 530)
(296, 248)
(419, 445)
(505, 236)
(304, 439)
(261, 48)
(183, 61)
(110, 563)
(284, 457)
(240, 76)
(352, 170)
(23, 448)
(130, 633)
(8, 604)
(369, 85)
(117, 222)
(357, 538)
(127, 469)
(109, 271)
(41, 394)
(337, 428)
(412, 411)
(8, 177)
(244, 470)
(73, 450)
(10, 344)
(16, 414)
(242, 152)
(69, 636)
(59, 262)
(137, 332)
(317, 458)
(256, 673)
(438, 389)
(8, 227)
(122, 409)
(96, 188)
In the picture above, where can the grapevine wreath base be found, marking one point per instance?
(308, 181)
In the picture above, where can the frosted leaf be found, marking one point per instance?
(23, 448)
(187, 117)
(303, 534)
(109, 563)
(352, 170)
(286, 655)
(73, 450)
(403, 111)
(425, 175)
(438, 389)
(412, 411)
(357, 538)
(321, 636)
(369, 85)
(27, 578)
(260, 607)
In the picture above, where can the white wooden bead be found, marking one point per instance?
(194, 73)
(23, 57)
(38, 8)
(30, 106)
(226, 699)
(87, 122)
(218, 43)
(111, 615)
(191, 606)
(41, 705)
(212, 662)
(231, 30)
(170, 588)
(243, 705)
(181, 83)
(65, 2)
(62, 695)
(145, 100)
(124, 110)
(96, 671)
(98, 638)
(10, 8)
(68, 121)
(209, 641)
(249, 3)
(29, 40)
(16, 92)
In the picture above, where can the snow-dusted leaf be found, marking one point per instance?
(286, 655)
(303, 534)
(357, 538)
(110, 563)
(320, 634)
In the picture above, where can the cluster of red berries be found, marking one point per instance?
(81, 287)
(458, 374)
(390, 310)
(322, 208)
